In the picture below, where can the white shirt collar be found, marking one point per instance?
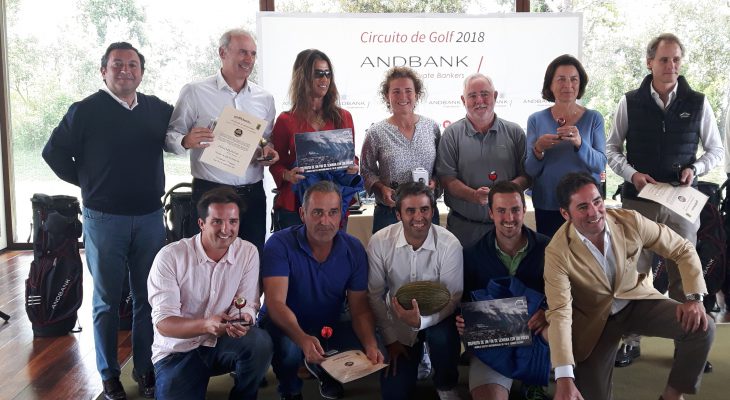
(123, 103)
(606, 235)
(222, 84)
(203, 256)
(428, 244)
(658, 99)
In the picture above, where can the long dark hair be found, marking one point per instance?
(302, 86)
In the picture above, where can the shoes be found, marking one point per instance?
(329, 388)
(531, 392)
(297, 396)
(113, 390)
(708, 367)
(145, 384)
(451, 394)
(626, 354)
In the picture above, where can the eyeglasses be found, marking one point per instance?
(322, 73)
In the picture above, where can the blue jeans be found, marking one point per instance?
(443, 346)
(185, 375)
(117, 245)
(288, 356)
(384, 216)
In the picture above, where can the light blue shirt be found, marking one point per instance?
(563, 158)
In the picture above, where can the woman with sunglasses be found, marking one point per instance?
(314, 107)
(398, 145)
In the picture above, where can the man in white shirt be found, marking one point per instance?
(662, 122)
(409, 251)
(596, 292)
(204, 295)
(192, 122)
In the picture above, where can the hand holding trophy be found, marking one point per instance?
(239, 303)
(262, 143)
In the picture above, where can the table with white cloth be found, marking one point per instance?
(361, 225)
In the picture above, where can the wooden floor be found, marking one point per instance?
(53, 368)
(45, 368)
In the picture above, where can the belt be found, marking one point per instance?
(247, 188)
(456, 214)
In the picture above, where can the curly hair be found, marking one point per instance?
(397, 73)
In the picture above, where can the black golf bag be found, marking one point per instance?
(711, 247)
(179, 221)
(53, 290)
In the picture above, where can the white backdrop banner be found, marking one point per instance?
(513, 49)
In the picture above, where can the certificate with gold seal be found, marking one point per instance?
(350, 365)
(237, 137)
(683, 200)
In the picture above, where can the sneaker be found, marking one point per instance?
(531, 392)
(329, 388)
(145, 384)
(451, 394)
(113, 390)
(626, 355)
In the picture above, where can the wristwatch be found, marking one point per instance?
(694, 297)
(693, 168)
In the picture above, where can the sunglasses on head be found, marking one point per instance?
(322, 73)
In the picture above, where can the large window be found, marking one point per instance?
(54, 55)
(54, 58)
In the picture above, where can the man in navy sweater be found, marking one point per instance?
(110, 145)
(511, 249)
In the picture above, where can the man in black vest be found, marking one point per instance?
(662, 122)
